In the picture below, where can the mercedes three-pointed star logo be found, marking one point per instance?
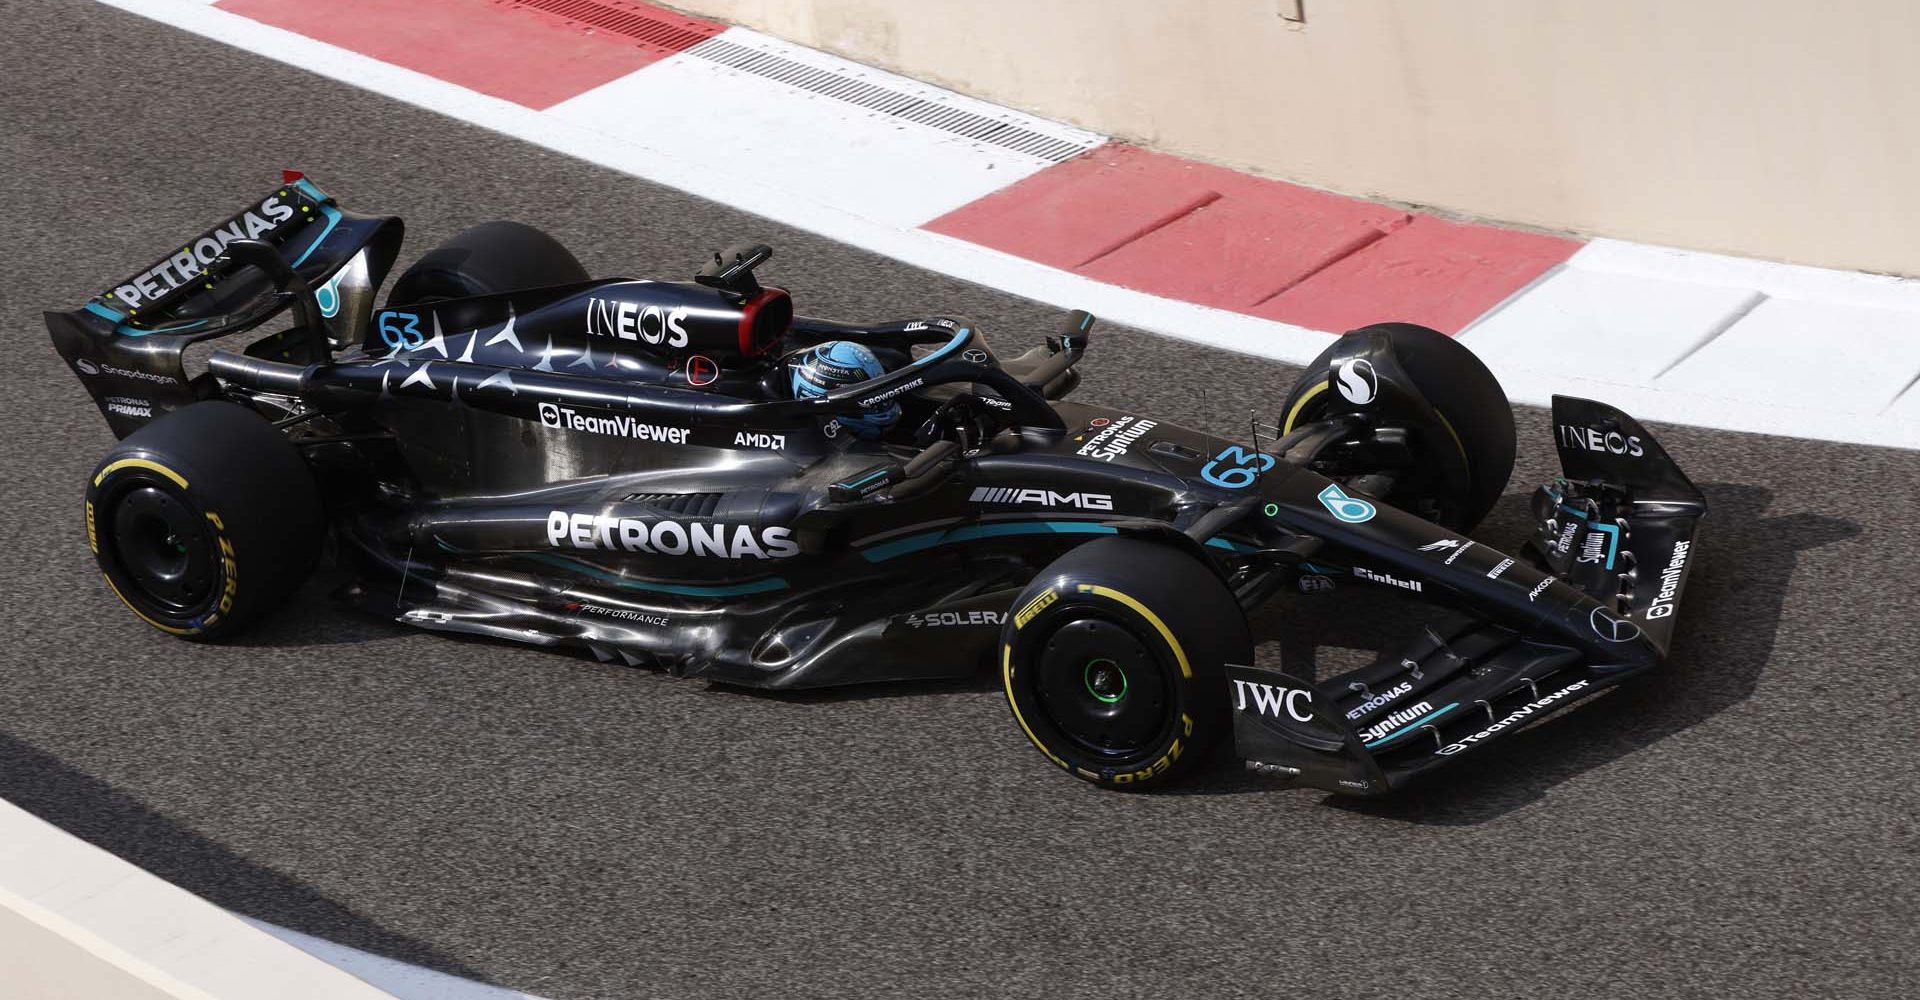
(1612, 627)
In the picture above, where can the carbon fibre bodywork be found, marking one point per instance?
(612, 467)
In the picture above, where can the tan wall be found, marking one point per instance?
(1785, 130)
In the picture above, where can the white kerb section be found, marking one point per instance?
(1718, 341)
(77, 922)
(889, 149)
(1606, 327)
(1828, 356)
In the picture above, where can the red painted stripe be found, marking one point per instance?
(1434, 272)
(1217, 237)
(1247, 246)
(1088, 206)
(536, 53)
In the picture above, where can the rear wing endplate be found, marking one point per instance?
(292, 248)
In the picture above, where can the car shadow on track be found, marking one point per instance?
(114, 821)
(312, 617)
(987, 680)
(1728, 621)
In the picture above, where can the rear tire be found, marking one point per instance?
(487, 259)
(1477, 420)
(1113, 662)
(204, 519)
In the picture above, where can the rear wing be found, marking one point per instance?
(293, 248)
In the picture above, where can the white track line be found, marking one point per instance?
(76, 921)
(657, 157)
(407, 982)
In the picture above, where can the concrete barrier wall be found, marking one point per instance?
(1765, 128)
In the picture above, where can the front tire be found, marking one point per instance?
(1476, 422)
(203, 520)
(1113, 662)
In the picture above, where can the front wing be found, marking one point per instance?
(1610, 558)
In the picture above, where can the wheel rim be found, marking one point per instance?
(1105, 680)
(162, 549)
(1103, 688)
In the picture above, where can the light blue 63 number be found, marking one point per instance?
(401, 331)
(1242, 466)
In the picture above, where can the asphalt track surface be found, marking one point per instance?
(1743, 823)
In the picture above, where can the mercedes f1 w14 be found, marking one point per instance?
(687, 476)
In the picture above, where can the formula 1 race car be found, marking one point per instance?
(639, 470)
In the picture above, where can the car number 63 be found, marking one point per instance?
(1240, 469)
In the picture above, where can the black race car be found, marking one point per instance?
(509, 448)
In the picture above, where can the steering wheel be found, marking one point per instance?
(967, 419)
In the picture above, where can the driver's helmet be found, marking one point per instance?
(834, 365)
